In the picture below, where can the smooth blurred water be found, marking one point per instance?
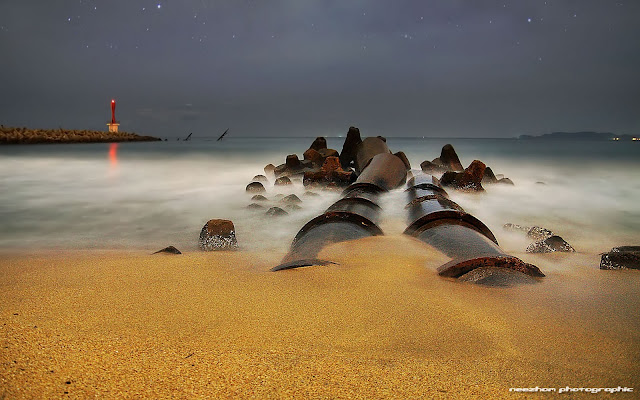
(150, 195)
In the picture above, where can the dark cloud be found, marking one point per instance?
(433, 68)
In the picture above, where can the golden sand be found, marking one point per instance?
(381, 324)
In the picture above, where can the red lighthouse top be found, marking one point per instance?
(113, 111)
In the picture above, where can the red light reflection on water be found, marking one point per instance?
(113, 154)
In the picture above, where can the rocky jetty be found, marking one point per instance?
(11, 135)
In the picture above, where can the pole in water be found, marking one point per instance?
(221, 136)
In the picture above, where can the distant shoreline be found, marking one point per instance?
(23, 135)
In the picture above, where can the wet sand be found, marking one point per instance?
(381, 324)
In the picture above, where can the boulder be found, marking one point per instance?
(515, 227)
(468, 180)
(404, 159)
(310, 194)
(292, 162)
(449, 158)
(550, 245)
(623, 257)
(276, 211)
(505, 181)
(313, 156)
(429, 167)
(351, 142)
(319, 143)
(169, 250)
(260, 178)
(328, 153)
(269, 169)
(291, 199)
(496, 277)
(293, 207)
(538, 233)
(282, 181)
(255, 206)
(331, 172)
(384, 139)
(259, 197)
(489, 176)
(255, 187)
(218, 234)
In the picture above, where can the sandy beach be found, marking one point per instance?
(380, 324)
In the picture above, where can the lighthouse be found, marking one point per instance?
(113, 125)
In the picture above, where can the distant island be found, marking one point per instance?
(12, 135)
(581, 136)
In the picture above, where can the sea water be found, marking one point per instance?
(151, 195)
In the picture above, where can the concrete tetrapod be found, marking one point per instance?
(476, 257)
(354, 216)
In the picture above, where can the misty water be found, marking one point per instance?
(150, 195)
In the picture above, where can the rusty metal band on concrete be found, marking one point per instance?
(443, 224)
(367, 149)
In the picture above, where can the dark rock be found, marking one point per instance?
(351, 142)
(260, 178)
(255, 187)
(488, 176)
(538, 233)
(437, 161)
(291, 199)
(516, 227)
(409, 175)
(313, 156)
(218, 234)
(310, 194)
(496, 277)
(319, 143)
(623, 257)
(450, 159)
(331, 172)
(540, 183)
(506, 181)
(283, 180)
(293, 162)
(468, 180)
(550, 245)
(278, 196)
(170, 250)
(276, 211)
(280, 170)
(255, 206)
(293, 207)
(269, 169)
(499, 176)
(429, 167)
(384, 139)
(404, 159)
(259, 197)
(328, 153)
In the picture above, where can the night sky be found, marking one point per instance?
(305, 68)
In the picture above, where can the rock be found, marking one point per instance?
(550, 245)
(293, 207)
(488, 176)
(506, 181)
(516, 227)
(496, 277)
(468, 180)
(384, 139)
(170, 250)
(310, 194)
(313, 156)
(404, 159)
(280, 170)
(328, 153)
(278, 196)
(449, 158)
(293, 162)
(351, 142)
(540, 183)
(259, 197)
(260, 178)
(276, 211)
(409, 175)
(218, 234)
(255, 206)
(331, 172)
(283, 180)
(429, 168)
(537, 233)
(291, 199)
(319, 143)
(269, 169)
(255, 187)
(623, 257)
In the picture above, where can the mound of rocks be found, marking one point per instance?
(623, 257)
